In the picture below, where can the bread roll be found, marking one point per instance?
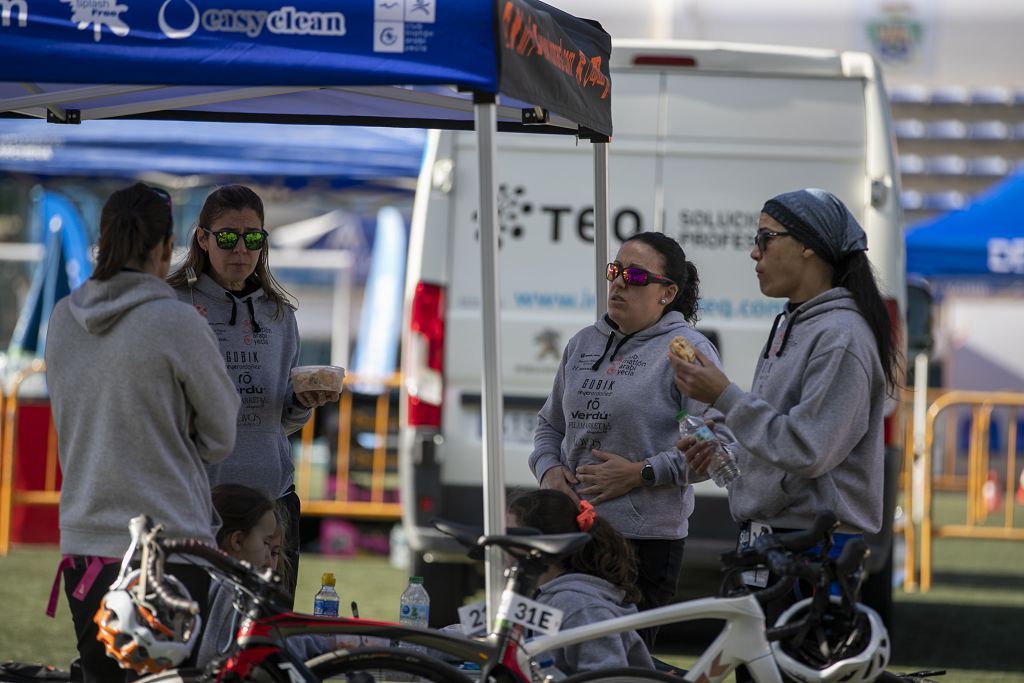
(682, 349)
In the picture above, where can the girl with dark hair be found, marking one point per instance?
(595, 584)
(252, 526)
(226, 276)
(139, 396)
(607, 432)
(811, 429)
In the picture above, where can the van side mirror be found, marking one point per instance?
(919, 318)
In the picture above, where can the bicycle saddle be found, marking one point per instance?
(515, 538)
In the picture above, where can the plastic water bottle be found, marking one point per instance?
(415, 604)
(414, 608)
(722, 469)
(325, 602)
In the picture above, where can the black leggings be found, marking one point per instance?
(659, 563)
(290, 502)
(96, 666)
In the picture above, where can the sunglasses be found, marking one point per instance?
(763, 236)
(227, 238)
(634, 277)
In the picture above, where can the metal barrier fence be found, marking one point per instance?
(381, 501)
(923, 474)
(9, 494)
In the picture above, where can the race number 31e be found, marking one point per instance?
(530, 613)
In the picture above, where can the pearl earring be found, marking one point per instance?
(664, 301)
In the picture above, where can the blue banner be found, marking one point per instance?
(251, 42)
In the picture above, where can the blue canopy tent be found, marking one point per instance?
(351, 156)
(421, 64)
(983, 241)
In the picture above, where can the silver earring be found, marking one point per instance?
(664, 301)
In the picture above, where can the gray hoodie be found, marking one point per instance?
(586, 599)
(616, 393)
(140, 401)
(259, 350)
(811, 426)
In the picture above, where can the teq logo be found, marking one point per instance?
(511, 205)
(98, 13)
(285, 20)
(9, 7)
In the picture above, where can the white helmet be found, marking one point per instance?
(838, 649)
(141, 636)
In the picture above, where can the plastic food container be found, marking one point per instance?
(317, 378)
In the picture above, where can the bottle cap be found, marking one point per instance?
(416, 579)
(327, 579)
(682, 415)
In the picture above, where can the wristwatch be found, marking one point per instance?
(647, 473)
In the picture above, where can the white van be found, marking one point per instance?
(704, 133)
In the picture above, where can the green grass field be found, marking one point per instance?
(971, 622)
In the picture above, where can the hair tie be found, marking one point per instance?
(586, 518)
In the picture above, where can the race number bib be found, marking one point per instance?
(758, 578)
(530, 613)
(473, 618)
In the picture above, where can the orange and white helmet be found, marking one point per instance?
(140, 635)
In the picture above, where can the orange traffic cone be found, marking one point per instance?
(991, 493)
(1020, 488)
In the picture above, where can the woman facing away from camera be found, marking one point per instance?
(596, 583)
(226, 276)
(607, 432)
(141, 402)
(811, 427)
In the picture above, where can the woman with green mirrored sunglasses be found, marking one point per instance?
(226, 276)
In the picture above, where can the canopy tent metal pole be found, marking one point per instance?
(486, 119)
(600, 222)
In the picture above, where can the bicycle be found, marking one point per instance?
(260, 654)
(743, 640)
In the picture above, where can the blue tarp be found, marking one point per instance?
(984, 240)
(346, 155)
(328, 61)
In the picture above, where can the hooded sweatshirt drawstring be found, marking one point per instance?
(791, 320)
(611, 338)
(234, 311)
(234, 307)
(256, 325)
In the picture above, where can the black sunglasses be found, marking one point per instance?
(763, 236)
(228, 238)
(634, 277)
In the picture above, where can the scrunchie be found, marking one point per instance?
(586, 518)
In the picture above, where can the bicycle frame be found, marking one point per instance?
(741, 641)
(259, 642)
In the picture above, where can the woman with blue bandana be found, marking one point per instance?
(811, 427)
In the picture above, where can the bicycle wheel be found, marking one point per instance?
(380, 665)
(623, 675)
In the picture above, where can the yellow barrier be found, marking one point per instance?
(9, 496)
(341, 504)
(981, 405)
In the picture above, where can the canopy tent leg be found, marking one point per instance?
(601, 250)
(486, 120)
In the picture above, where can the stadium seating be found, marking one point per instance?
(954, 142)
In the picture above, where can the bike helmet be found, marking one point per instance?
(839, 648)
(141, 636)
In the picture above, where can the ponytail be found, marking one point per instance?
(678, 269)
(608, 555)
(134, 221)
(854, 272)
